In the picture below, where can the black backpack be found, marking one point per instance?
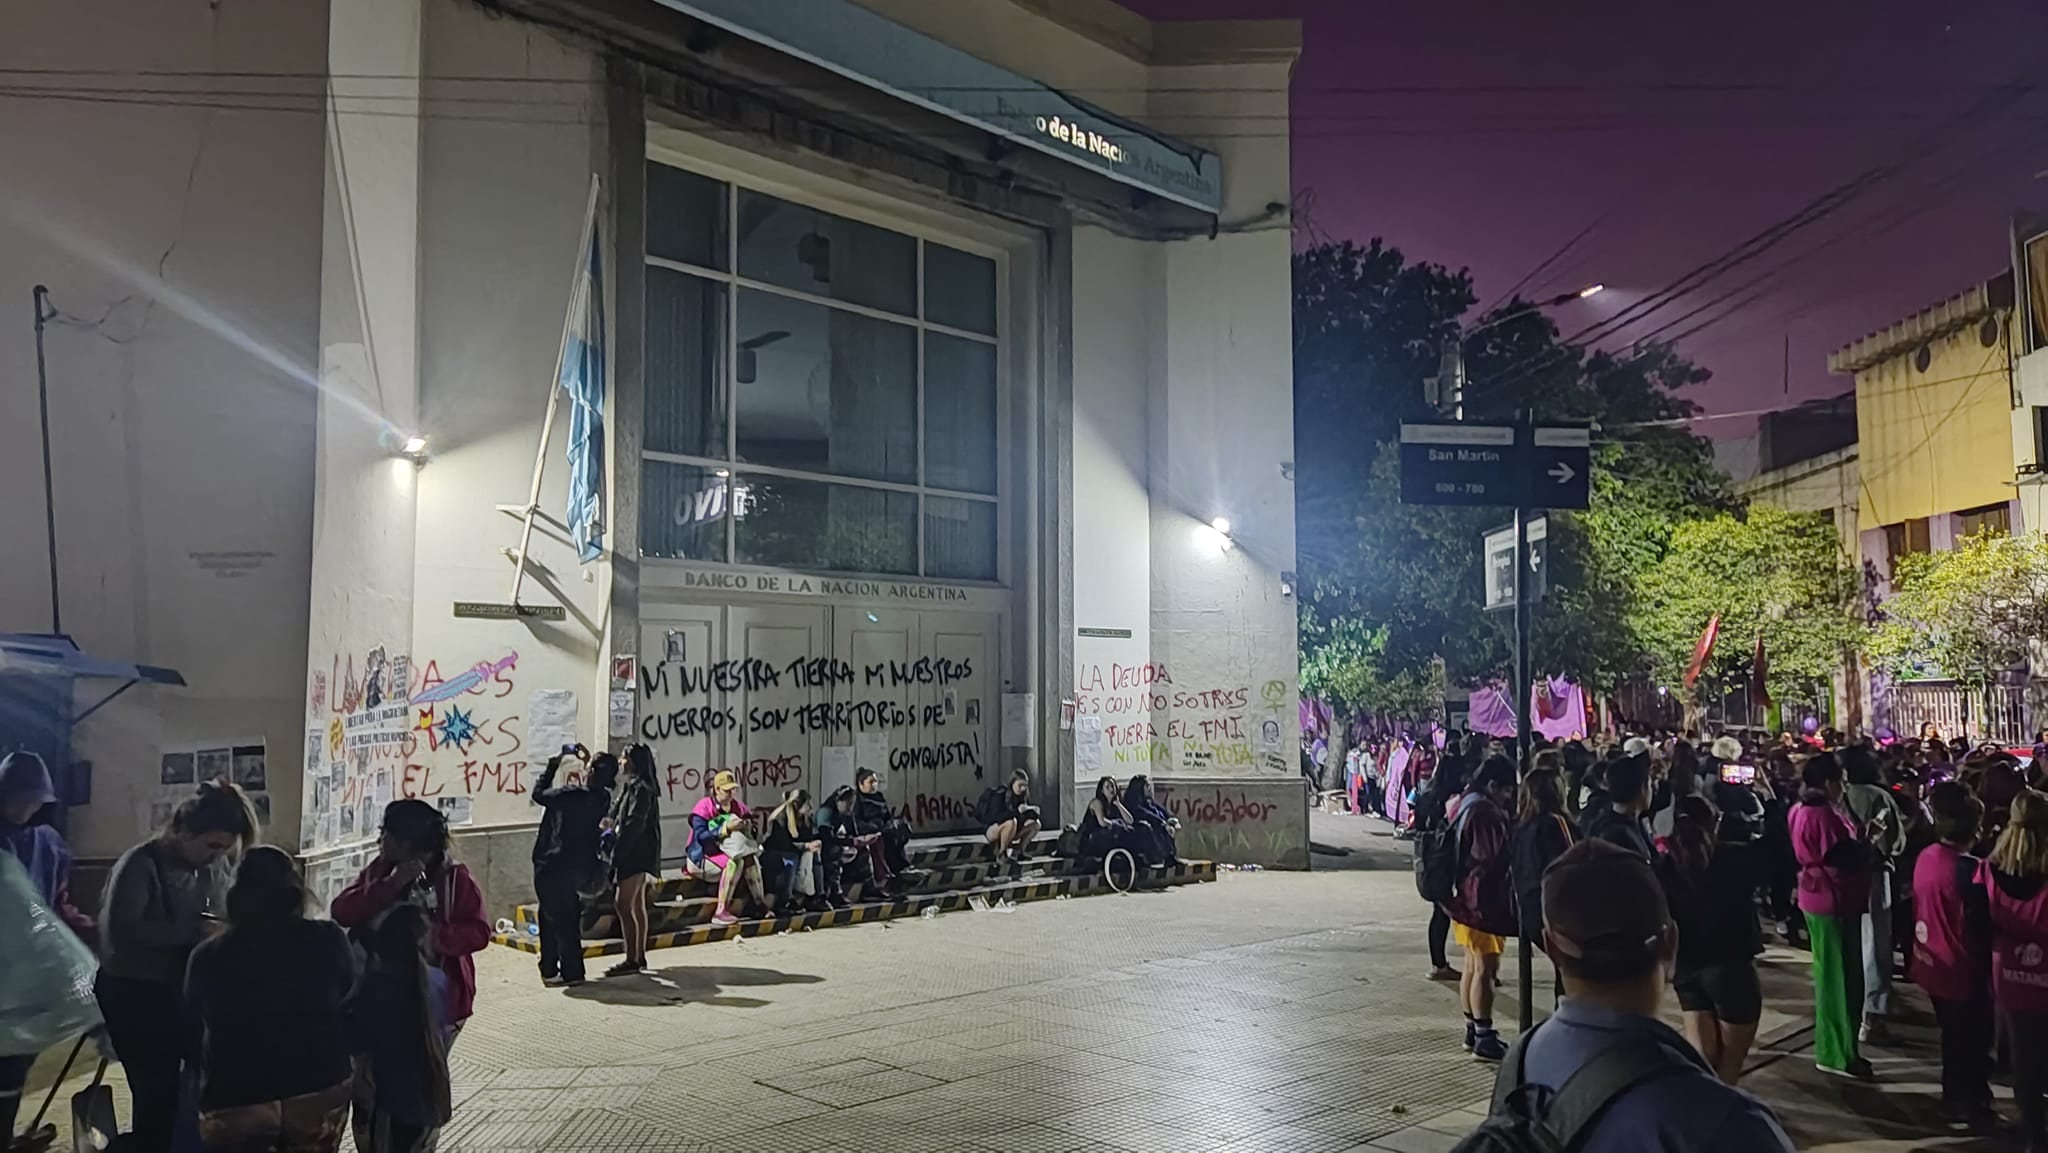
(1518, 1124)
(1436, 859)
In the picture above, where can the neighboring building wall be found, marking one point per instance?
(2030, 373)
(1828, 483)
(181, 245)
(1922, 433)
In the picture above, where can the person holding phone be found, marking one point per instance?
(416, 866)
(566, 857)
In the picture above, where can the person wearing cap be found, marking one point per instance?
(1609, 932)
(1617, 814)
(715, 818)
(25, 802)
(1834, 888)
(1482, 907)
(565, 857)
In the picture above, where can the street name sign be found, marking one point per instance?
(1454, 463)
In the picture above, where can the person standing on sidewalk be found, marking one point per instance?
(1884, 830)
(416, 865)
(1707, 889)
(1616, 815)
(1432, 802)
(2015, 882)
(1834, 887)
(1482, 909)
(25, 799)
(565, 858)
(636, 854)
(1952, 953)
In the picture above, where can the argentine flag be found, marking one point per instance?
(582, 377)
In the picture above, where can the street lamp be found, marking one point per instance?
(1449, 385)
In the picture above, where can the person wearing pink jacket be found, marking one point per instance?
(2015, 880)
(1834, 890)
(1952, 953)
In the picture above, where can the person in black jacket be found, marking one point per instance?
(1153, 817)
(879, 826)
(1713, 905)
(566, 859)
(844, 859)
(1008, 815)
(1542, 834)
(1618, 815)
(795, 851)
(636, 853)
(1431, 802)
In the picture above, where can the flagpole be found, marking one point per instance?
(547, 427)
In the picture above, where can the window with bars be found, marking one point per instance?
(822, 392)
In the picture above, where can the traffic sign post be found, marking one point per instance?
(1529, 468)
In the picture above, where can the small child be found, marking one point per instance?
(1952, 954)
(399, 1032)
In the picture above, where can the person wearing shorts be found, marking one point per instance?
(1482, 909)
(1710, 896)
(1011, 819)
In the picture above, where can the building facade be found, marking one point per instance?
(945, 357)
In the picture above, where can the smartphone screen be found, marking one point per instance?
(1738, 774)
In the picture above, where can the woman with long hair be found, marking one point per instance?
(721, 850)
(1834, 888)
(1718, 937)
(1432, 801)
(267, 997)
(163, 898)
(2015, 880)
(792, 846)
(399, 1032)
(636, 853)
(1542, 834)
(1108, 826)
(416, 866)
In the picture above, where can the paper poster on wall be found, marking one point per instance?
(871, 750)
(261, 803)
(1088, 745)
(1020, 720)
(840, 763)
(251, 767)
(177, 769)
(551, 720)
(621, 711)
(216, 764)
(456, 809)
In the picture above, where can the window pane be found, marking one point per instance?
(686, 217)
(959, 289)
(682, 512)
(685, 364)
(959, 413)
(825, 255)
(810, 524)
(960, 538)
(825, 390)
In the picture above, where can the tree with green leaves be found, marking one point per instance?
(1369, 328)
(1970, 614)
(1771, 573)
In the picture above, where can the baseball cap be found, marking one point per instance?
(23, 773)
(724, 780)
(1728, 748)
(1635, 746)
(1605, 911)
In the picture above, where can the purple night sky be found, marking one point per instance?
(1677, 133)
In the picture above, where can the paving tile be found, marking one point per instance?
(865, 1088)
(1414, 1140)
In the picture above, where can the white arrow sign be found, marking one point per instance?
(1562, 473)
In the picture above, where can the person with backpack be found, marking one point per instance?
(1432, 801)
(399, 1032)
(2015, 884)
(1603, 1074)
(1542, 834)
(1952, 954)
(1884, 830)
(416, 866)
(1707, 890)
(1482, 905)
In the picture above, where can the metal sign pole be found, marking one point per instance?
(44, 313)
(1525, 959)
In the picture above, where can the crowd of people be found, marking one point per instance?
(1919, 860)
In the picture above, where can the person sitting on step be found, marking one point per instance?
(1108, 826)
(792, 852)
(721, 848)
(846, 862)
(1153, 817)
(886, 834)
(1009, 816)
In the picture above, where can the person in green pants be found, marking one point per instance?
(1834, 890)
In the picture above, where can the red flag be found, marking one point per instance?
(1703, 650)
(1759, 671)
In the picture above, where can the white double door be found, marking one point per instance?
(799, 696)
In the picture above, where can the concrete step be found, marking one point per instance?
(694, 902)
(1076, 885)
(931, 853)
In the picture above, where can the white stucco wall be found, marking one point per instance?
(181, 245)
(2030, 378)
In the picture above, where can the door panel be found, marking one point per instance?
(879, 646)
(958, 756)
(679, 715)
(780, 671)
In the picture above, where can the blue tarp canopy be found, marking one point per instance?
(39, 654)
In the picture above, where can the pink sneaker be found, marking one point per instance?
(721, 917)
